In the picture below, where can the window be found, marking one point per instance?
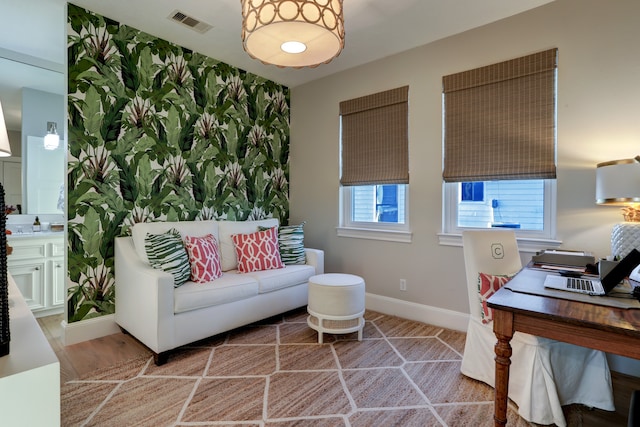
(387, 204)
(472, 191)
(375, 166)
(499, 146)
(377, 204)
(518, 204)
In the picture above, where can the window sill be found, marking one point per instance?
(525, 244)
(375, 234)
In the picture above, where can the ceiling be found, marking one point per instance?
(374, 29)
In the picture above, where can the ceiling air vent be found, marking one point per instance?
(190, 22)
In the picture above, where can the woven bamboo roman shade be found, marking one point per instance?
(375, 138)
(500, 120)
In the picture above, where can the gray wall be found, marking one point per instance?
(598, 106)
(38, 108)
(15, 140)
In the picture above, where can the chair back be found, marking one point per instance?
(491, 251)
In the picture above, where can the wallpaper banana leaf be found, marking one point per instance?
(158, 132)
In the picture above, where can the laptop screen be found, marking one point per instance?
(621, 270)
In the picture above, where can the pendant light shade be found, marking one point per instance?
(293, 33)
(5, 147)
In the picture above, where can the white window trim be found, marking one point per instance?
(372, 230)
(528, 240)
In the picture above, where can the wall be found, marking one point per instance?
(15, 140)
(39, 108)
(158, 132)
(598, 105)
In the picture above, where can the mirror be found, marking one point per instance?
(32, 94)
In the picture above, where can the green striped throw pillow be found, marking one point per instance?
(167, 252)
(291, 244)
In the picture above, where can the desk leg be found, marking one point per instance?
(503, 328)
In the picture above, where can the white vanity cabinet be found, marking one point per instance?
(37, 267)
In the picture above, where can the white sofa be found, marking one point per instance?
(163, 317)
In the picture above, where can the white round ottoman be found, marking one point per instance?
(336, 304)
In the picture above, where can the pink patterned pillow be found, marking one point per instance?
(257, 251)
(204, 257)
(488, 285)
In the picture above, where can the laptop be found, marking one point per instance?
(592, 286)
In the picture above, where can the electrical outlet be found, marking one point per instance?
(403, 284)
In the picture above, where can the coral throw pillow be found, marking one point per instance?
(204, 257)
(488, 284)
(257, 251)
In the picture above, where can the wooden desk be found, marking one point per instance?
(612, 330)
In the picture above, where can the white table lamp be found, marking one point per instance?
(618, 184)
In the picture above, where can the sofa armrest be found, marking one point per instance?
(144, 298)
(315, 257)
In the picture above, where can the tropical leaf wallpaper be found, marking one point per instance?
(158, 132)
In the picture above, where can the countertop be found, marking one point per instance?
(32, 235)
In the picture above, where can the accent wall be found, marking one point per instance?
(159, 132)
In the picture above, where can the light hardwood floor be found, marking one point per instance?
(78, 359)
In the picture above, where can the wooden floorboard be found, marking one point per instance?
(79, 359)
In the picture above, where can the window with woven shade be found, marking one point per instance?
(374, 139)
(499, 149)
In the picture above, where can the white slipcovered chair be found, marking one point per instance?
(544, 374)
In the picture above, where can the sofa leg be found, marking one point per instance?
(160, 358)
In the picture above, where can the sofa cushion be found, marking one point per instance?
(166, 252)
(186, 228)
(204, 257)
(227, 288)
(257, 251)
(229, 260)
(291, 275)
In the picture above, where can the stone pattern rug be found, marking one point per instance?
(275, 374)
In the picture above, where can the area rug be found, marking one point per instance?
(275, 374)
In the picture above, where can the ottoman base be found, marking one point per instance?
(335, 324)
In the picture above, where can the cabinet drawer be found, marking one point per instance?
(29, 277)
(26, 250)
(56, 249)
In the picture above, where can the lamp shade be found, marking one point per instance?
(618, 182)
(293, 33)
(5, 147)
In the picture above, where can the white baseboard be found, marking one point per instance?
(73, 333)
(422, 313)
(624, 365)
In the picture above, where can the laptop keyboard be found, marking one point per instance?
(579, 284)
